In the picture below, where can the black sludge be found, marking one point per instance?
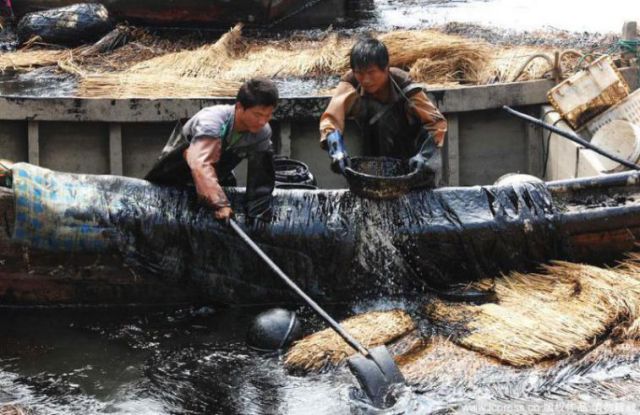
(336, 246)
(71, 25)
(479, 231)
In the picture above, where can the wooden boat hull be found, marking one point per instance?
(213, 13)
(161, 246)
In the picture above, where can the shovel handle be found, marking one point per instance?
(334, 324)
(571, 136)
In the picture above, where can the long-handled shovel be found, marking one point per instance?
(374, 368)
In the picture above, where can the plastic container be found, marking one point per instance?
(382, 177)
(621, 138)
(628, 109)
(511, 179)
(290, 173)
(589, 92)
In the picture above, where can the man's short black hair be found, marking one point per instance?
(258, 91)
(369, 51)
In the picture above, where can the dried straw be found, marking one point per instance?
(25, 60)
(154, 86)
(232, 58)
(13, 410)
(541, 316)
(326, 348)
(206, 61)
(460, 58)
(442, 364)
(293, 59)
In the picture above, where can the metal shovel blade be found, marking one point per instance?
(376, 374)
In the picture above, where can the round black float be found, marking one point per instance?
(273, 330)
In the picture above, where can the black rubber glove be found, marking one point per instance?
(337, 152)
(428, 161)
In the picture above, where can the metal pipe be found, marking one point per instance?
(609, 181)
(571, 136)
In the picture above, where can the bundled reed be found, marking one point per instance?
(541, 316)
(233, 58)
(436, 57)
(326, 348)
(205, 62)
(154, 86)
(25, 60)
(430, 56)
(442, 364)
(13, 410)
(293, 59)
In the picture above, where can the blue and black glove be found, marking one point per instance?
(337, 152)
(428, 161)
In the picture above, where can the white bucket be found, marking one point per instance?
(620, 138)
(510, 179)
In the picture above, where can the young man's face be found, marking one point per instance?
(372, 78)
(254, 118)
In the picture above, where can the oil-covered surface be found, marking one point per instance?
(44, 82)
(136, 361)
(194, 360)
(333, 243)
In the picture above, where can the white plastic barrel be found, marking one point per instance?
(620, 138)
(516, 178)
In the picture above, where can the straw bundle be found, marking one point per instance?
(206, 61)
(293, 59)
(434, 365)
(630, 270)
(540, 316)
(154, 86)
(24, 60)
(451, 57)
(326, 348)
(453, 70)
(13, 410)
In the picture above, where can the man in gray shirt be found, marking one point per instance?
(216, 139)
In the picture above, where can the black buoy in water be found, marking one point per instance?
(274, 330)
(375, 369)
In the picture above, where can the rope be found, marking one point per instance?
(528, 61)
(631, 46)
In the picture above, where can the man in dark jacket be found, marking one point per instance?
(215, 140)
(395, 116)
